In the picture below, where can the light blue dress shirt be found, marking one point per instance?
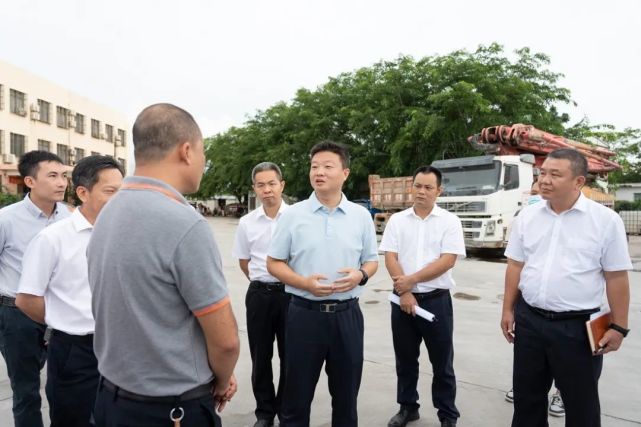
(314, 240)
(19, 223)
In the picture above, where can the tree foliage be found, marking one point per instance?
(626, 144)
(394, 116)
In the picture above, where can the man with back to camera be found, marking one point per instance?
(562, 254)
(54, 290)
(266, 301)
(323, 249)
(166, 338)
(22, 339)
(421, 245)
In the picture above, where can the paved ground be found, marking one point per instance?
(482, 362)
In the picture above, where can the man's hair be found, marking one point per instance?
(266, 166)
(427, 170)
(29, 163)
(161, 127)
(333, 147)
(578, 163)
(86, 172)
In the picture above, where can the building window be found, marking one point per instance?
(63, 152)
(123, 162)
(95, 153)
(121, 137)
(18, 143)
(109, 132)
(637, 197)
(45, 111)
(17, 102)
(95, 128)
(1, 97)
(44, 145)
(62, 117)
(80, 154)
(80, 123)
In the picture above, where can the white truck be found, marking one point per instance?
(487, 192)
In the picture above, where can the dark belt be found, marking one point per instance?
(78, 339)
(194, 393)
(267, 286)
(428, 295)
(324, 306)
(8, 301)
(561, 315)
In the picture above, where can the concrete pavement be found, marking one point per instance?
(483, 359)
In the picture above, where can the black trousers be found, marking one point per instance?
(559, 349)
(23, 349)
(314, 337)
(72, 380)
(408, 332)
(113, 411)
(266, 315)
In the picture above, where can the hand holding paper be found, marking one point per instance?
(419, 311)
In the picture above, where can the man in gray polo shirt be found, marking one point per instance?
(166, 337)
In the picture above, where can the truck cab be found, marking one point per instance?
(486, 193)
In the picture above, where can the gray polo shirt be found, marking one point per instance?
(153, 268)
(19, 223)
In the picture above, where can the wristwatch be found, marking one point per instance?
(619, 329)
(364, 279)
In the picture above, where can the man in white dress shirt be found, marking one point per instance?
(22, 339)
(562, 254)
(266, 300)
(421, 246)
(54, 289)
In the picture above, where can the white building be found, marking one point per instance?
(36, 114)
(630, 191)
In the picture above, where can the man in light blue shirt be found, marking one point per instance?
(324, 250)
(22, 339)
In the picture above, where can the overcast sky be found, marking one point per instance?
(223, 61)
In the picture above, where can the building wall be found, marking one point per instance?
(65, 133)
(628, 192)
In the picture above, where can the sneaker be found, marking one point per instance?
(556, 408)
(509, 396)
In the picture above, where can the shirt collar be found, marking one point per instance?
(436, 211)
(316, 204)
(35, 210)
(261, 210)
(580, 205)
(79, 221)
(151, 184)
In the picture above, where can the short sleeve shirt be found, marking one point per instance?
(566, 254)
(153, 268)
(421, 241)
(315, 240)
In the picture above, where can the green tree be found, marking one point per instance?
(394, 116)
(626, 144)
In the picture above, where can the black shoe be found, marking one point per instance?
(264, 423)
(403, 417)
(448, 423)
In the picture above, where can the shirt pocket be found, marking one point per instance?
(581, 254)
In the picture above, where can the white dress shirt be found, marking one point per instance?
(19, 223)
(566, 254)
(253, 237)
(55, 266)
(419, 242)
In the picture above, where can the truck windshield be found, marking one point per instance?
(471, 180)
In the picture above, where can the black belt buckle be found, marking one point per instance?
(328, 308)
